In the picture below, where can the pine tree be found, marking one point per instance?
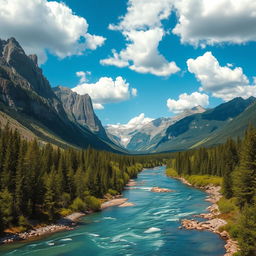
(245, 177)
(247, 234)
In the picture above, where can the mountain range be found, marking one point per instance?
(64, 118)
(28, 103)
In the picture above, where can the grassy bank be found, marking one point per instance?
(196, 180)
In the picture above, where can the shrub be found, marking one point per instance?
(172, 173)
(112, 192)
(78, 205)
(227, 205)
(93, 203)
(65, 212)
(203, 180)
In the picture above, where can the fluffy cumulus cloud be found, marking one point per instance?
(224, 82)
(142, 54)
(187, 101)
(202, 22)
(144, 14)
(123, 131)
(143, 31)
(106, 90)
(41, 25)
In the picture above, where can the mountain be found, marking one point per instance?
(28, 103)
(235, 128)
(195, 130)
(79, 109)
(145, 136)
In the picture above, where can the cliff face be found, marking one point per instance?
(26, 96)
(23, 86)
(79, 109)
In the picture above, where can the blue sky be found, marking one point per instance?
(221, 48)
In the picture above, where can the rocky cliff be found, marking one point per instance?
(79, 109)
(26, 96)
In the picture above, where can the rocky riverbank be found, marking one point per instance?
(66, 223)
(212, 223)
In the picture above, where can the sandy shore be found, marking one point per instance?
(113, 202)
(212, 222)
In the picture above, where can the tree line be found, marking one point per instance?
(235, 161)
(40, 181)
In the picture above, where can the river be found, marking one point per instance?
(150, 228)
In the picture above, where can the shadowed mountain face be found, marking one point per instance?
(79, 109)
(26, 96)
(196, 130)
(23, 86)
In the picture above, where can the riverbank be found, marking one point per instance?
(212, 222)
(64, 224)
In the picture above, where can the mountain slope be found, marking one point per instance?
(151, 134)
(26, 96)
(194, 130)
(79, 109)
(142, 134)
(235, 128)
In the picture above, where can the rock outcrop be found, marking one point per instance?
(161, 190)
(26, 96)
(79, 109)
(212, 223)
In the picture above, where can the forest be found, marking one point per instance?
(42, 182)
(235, 162)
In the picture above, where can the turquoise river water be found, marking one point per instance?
(150, 228)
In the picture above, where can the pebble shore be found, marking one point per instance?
(212, 221)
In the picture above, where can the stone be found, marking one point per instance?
(161, 190)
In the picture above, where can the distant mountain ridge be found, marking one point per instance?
(148, 135)
(195, 130)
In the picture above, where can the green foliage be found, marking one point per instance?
(93, 203)
(203, 180)
(112, 192)
(247, 233)
(65, 212)
(172, 173)
(78, 205)
(235, 164)
(227, 205)
(23, 222)
(6, 207)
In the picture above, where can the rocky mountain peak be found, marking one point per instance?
(79, 108)
(13, 56)
(34, 58)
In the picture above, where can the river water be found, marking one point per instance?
(150, 228)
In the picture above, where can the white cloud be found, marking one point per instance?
(98, 106)
(83, 76)
(143, 31)
(144, 14)
(226, 82)
(187, 101)
(123, 131)
(116, 60)
(134, 92)
(142, 55)
(202, 22)
(40, 26)
(106, 90)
